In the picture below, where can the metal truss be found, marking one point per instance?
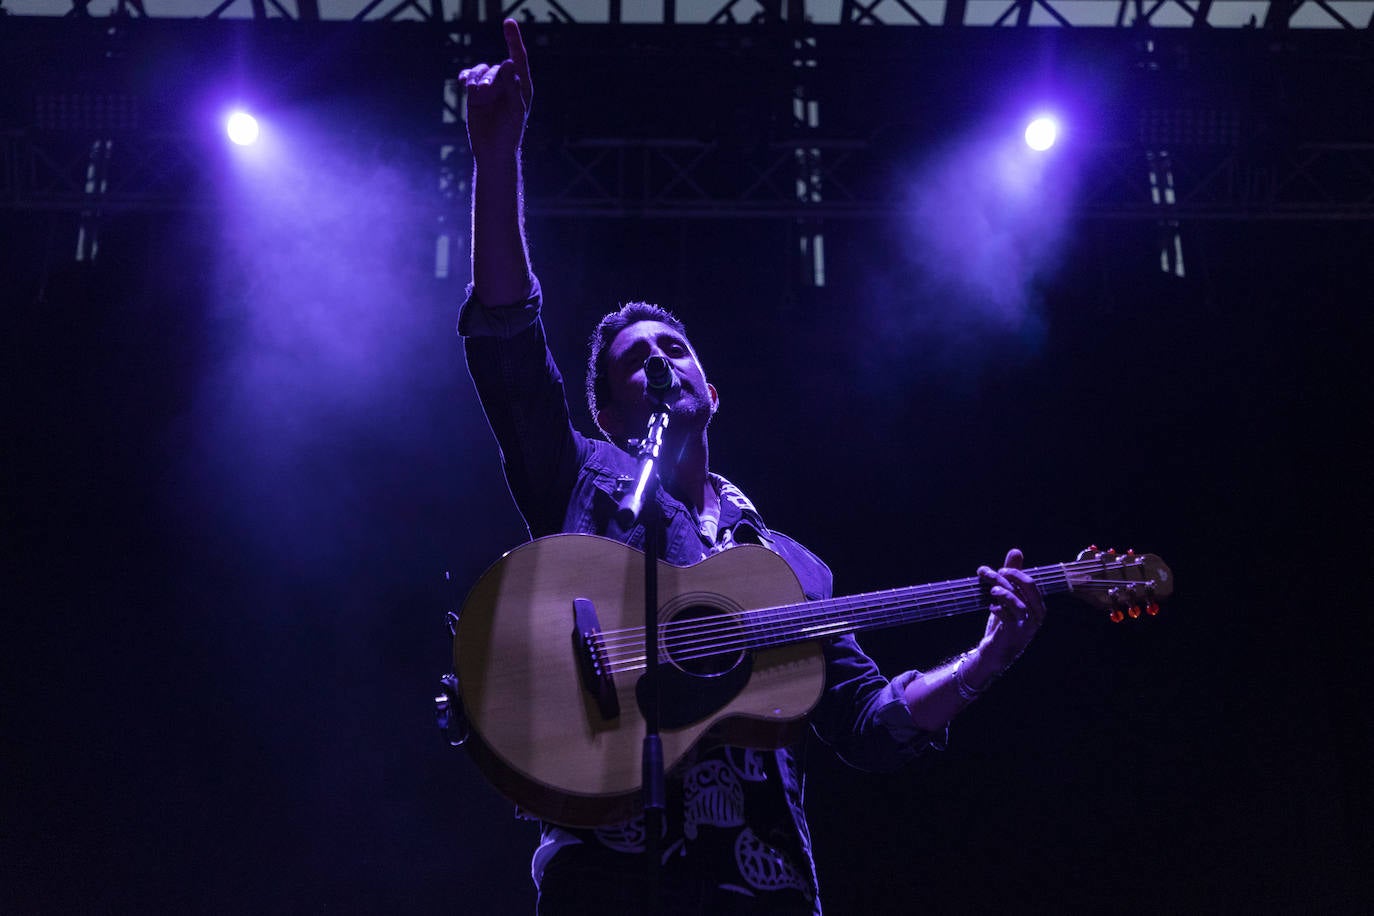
(684, 179)
(86, 153)
(1132, 14)
(1310, 181)
(798, 179)
(143, 172)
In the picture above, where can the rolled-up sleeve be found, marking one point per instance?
(522, 394)
(863, 715)
(477, 319)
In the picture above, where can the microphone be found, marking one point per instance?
(662, 380)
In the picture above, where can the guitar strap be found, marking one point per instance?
(739, 521)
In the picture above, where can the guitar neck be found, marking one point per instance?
(779, 626)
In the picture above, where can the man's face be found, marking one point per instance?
(627, 414)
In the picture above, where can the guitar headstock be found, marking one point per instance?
(1125, 585)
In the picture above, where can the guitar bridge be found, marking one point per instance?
(591, 659)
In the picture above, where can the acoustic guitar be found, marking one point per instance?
(549, 655)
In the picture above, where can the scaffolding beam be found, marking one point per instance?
(1274, 15)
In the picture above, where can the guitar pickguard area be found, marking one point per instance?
(686, 699)
(706, 661)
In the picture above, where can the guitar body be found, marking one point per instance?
(541, 735)
(549, 654)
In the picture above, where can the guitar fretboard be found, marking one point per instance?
(771, 627)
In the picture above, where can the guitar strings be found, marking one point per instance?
(768, 622)
(737, 637)
(631, 663)
(874, 608)
(674, 651)
(813, 609)
(723, 633)
(739, 640)
(881, 600)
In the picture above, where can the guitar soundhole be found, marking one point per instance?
(702, 641)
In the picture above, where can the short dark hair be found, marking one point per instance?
(598, 384)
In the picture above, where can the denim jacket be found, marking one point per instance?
(565, 482)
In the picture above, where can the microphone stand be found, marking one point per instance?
(651, 767)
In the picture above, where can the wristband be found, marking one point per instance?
(966, 693)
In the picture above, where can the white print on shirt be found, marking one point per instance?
(711, 790)
(718, 542)
(711, 795)
(764, 867)
(748, 764)
(626, 837)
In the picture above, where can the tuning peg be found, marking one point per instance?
(1134, 611)
(1111, 551)
(1116, 615)
(1130, 551)
(1152, 608)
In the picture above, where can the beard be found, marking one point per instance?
(689, 413)
(692, 410)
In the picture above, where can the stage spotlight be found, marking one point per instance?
(242, 128)
(1041, 133)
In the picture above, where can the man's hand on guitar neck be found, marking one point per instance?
(1016, 611)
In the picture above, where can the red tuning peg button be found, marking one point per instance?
(1152, 608)
(1134, 611)
(1117, 615)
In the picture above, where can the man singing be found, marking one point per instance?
(735, 837)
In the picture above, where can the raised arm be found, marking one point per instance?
(520, 387)
(498, 103)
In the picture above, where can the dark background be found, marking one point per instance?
(221, 635)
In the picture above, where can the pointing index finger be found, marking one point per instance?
(515, 47)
